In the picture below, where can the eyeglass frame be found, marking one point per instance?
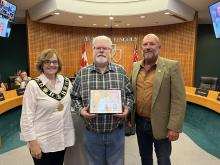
(49, 62)
(101, 48)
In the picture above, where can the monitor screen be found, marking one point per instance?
(7, 10)
(4, 27)
(214, 10)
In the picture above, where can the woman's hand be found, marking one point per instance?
(35, 149)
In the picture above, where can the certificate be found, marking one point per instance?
(105, 101)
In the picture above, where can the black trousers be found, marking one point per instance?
(50, 158)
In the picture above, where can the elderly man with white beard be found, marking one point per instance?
(104, 133)
(160, 102)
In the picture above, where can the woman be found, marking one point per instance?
(46, 122)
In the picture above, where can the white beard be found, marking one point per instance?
(101, 60)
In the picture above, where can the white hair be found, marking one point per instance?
(102, 38)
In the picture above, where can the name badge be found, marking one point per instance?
(218, 97)
(201, 92)
(20, 91)
(2, 97)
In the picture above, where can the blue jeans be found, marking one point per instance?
(105, 148)
(145, 142)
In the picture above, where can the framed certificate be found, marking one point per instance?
(105, 101)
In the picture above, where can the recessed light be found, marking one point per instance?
(94, 24)
(116, 25)
(105, 25)
(80, 16)
(56, 13)
(111, 18)
(143, 16)
(128, 24)
(167, 13)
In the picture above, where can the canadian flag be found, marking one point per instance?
(135, 56)
(84, 60)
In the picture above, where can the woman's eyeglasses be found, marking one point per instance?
(48, 62)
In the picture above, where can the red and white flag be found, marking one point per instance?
(135, 55)
(84, 60)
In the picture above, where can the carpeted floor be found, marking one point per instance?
(201, 125)
(9, 130)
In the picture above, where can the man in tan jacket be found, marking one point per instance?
(160, 102)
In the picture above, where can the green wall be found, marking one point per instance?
(13, 52)
(208, 53)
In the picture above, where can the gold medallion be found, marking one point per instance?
(60, 107)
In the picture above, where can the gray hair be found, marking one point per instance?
(102, 38)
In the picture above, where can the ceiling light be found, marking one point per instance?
(80, 16)
(105, 25)
(128, 24)
(111, 18)
(167, 13)
(143, 16)
(116, 25)
(94, 24)
(56, 13)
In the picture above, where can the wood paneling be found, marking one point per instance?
(178, 43)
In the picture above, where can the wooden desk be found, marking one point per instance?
(11, 101)
(210, 101)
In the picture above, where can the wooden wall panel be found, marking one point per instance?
(178, 42)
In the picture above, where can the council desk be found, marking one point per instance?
(210, 101)
(11, 101)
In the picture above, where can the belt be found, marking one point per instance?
(143, 117)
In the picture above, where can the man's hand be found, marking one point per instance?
(124, 114)
(35, 149)
(84, 112)
(172, 135)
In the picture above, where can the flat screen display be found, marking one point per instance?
(7, 10)
(214, 10)
(4, 27)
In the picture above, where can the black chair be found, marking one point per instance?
(208, 83)
(12, 82)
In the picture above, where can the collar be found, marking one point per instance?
(110, 67)
(142, 63)
(45, 80)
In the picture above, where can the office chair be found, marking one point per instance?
(12, 82)
(208, 83)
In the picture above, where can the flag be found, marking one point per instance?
(84, 60)
(135, 55)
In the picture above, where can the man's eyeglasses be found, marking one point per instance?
(101, 48)
(48, 62)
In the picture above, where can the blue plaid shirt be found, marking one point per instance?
(91, 78)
